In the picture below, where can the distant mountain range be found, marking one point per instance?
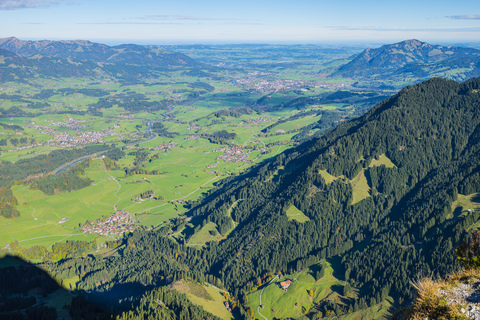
(86, 50)
(21, 60)
(413, 59)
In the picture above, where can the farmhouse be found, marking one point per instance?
(285, 284)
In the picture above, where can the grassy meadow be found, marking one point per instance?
(296, 301)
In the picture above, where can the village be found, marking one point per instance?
(165, 146)
(69, 123)
(117, 224)
(232, 154)
(256, 121)
(66, 140)
(193, 137)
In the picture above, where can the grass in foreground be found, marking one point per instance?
(442, 299)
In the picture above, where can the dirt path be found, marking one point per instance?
(54, 235)
(119, 188)
(258, 309)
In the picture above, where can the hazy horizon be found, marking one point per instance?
(214, 21)
(187, 42)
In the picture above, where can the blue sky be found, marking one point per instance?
(243, 21)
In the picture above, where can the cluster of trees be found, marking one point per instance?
(131, 171)
(13, 127)
(15, 141)
(70, 249)
(236, 112)
(203, 86)
(160, 130)
(8, 203)
(45, 163)
(63, 182)
(111, 158)
(115, 154)
(132, 102)
(144, 195)
(66, 181)
(220, 137)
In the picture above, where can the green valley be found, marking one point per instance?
(232, 181)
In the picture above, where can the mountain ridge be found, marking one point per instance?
(87, 50)
(411, 57)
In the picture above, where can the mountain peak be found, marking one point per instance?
(9, 39)
(413, 42)
(403, 59)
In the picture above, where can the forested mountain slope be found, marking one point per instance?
(86, 50)
(415, 152)
(126, 62)
(16, 68)
(413, 58)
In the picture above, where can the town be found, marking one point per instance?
(268, 85)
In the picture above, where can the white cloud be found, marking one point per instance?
(26, 4)
(466, 17)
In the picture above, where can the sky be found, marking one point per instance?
(242, 21)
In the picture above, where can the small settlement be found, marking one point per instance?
(117, 224)
(232, 154)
